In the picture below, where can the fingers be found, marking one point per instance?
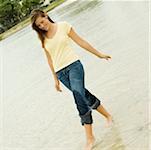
(58, 89)
(108, 57)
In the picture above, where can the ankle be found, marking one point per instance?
(90, 138)
(109, 116)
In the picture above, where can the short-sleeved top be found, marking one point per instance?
(59, 47)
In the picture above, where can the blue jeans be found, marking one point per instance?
(72, 76)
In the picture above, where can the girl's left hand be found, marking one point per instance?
(105, 57)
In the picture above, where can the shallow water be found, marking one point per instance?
(35, 116)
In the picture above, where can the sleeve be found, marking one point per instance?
(67, 27)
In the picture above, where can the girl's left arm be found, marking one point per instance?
(84, 44)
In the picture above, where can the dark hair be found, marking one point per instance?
(34, 15)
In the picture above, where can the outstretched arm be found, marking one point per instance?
(84, 44)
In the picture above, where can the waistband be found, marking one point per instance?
(77, 61)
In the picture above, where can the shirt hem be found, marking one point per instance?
(57, 70)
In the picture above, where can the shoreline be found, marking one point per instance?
(26, 22)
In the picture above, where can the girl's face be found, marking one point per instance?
(42, 23)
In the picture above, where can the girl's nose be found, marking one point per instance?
(41, 25)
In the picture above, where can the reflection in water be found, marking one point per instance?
(111, 140)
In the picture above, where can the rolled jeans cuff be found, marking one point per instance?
(86, 118)
(96, 104)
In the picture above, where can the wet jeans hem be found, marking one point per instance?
(87, 118)
(96, 104)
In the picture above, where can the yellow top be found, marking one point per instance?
(59, 47)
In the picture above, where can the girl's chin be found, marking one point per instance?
(44, 29)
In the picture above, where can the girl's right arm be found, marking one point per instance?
(57, 83)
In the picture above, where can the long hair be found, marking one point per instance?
(34, 15)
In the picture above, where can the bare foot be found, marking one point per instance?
(109, 121)
(90, 144)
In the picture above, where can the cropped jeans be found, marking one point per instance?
(72, 76)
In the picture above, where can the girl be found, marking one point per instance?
(67, 67)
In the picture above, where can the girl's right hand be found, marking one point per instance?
(57, 86)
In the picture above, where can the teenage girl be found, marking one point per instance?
(66, 67)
